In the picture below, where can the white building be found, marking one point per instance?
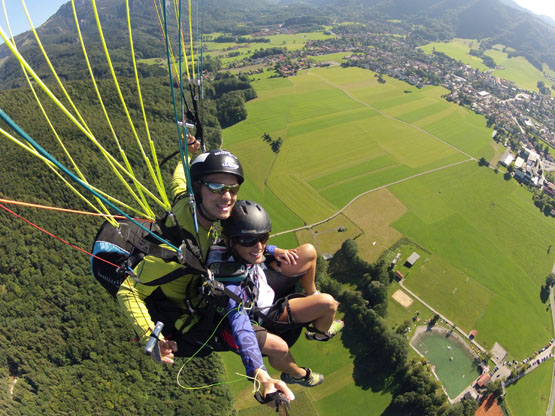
(507, 158)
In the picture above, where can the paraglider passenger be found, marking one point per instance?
(246, 233)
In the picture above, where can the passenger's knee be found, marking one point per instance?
(307, 251)
(329, 301)
(275, 346)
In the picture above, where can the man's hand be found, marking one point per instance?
(192, 144)
(167, 348)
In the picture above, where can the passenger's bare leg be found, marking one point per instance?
(319, 309)
(280, 357)
(306, 266)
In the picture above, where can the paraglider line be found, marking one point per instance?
(47, 155)
(56, 237)
(68, 210)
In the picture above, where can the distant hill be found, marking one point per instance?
(515, 5)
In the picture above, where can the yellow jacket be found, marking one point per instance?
(133, 295)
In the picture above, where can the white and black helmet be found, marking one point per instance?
(216, 161)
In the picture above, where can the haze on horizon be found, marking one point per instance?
(41, 10)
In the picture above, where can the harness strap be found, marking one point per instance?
(138, 240)
(190, 251)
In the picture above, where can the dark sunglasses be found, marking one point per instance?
(221, 188)
(251, 241)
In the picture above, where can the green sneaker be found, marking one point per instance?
(310, 380)
(335, 328)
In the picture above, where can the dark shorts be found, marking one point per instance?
(289, 331)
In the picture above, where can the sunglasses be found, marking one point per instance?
(221, 188)
(251, 241)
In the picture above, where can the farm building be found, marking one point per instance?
(413, 258)
(507, 158)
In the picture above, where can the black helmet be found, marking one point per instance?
(247, 218)
(216, 161)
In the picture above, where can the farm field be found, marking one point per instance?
(344, 135)
(375, 148)
(530, 395)
(516, 69)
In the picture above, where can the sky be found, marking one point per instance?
(41, 10)
(546, 7)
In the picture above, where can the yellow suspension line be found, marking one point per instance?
(159, 183)
(71, 117)
(52, 67)
(191, 39)
(46, 115)
(181, 38)
(99, 96)
(53, 167)
(106, 52)
(172, 56)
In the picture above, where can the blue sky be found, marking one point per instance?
(41, 10)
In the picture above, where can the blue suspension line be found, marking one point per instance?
(48, 156)
(183, 150)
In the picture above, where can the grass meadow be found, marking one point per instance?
(406, 161)
(494, 239)
(292, 42)
(337, 394)
(530, 395)
(516, 69)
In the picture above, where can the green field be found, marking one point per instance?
(353, 129)
(345, 134)
(337, 393)
(530, 395)
(475, 221)
(292, 42)
(516, 69)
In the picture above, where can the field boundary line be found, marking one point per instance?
(309, 226)
(390, 116)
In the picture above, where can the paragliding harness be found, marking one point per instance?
(128, 244)
(206, 294)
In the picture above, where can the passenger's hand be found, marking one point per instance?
(286, 256)
(167, 348)
(270, 385)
